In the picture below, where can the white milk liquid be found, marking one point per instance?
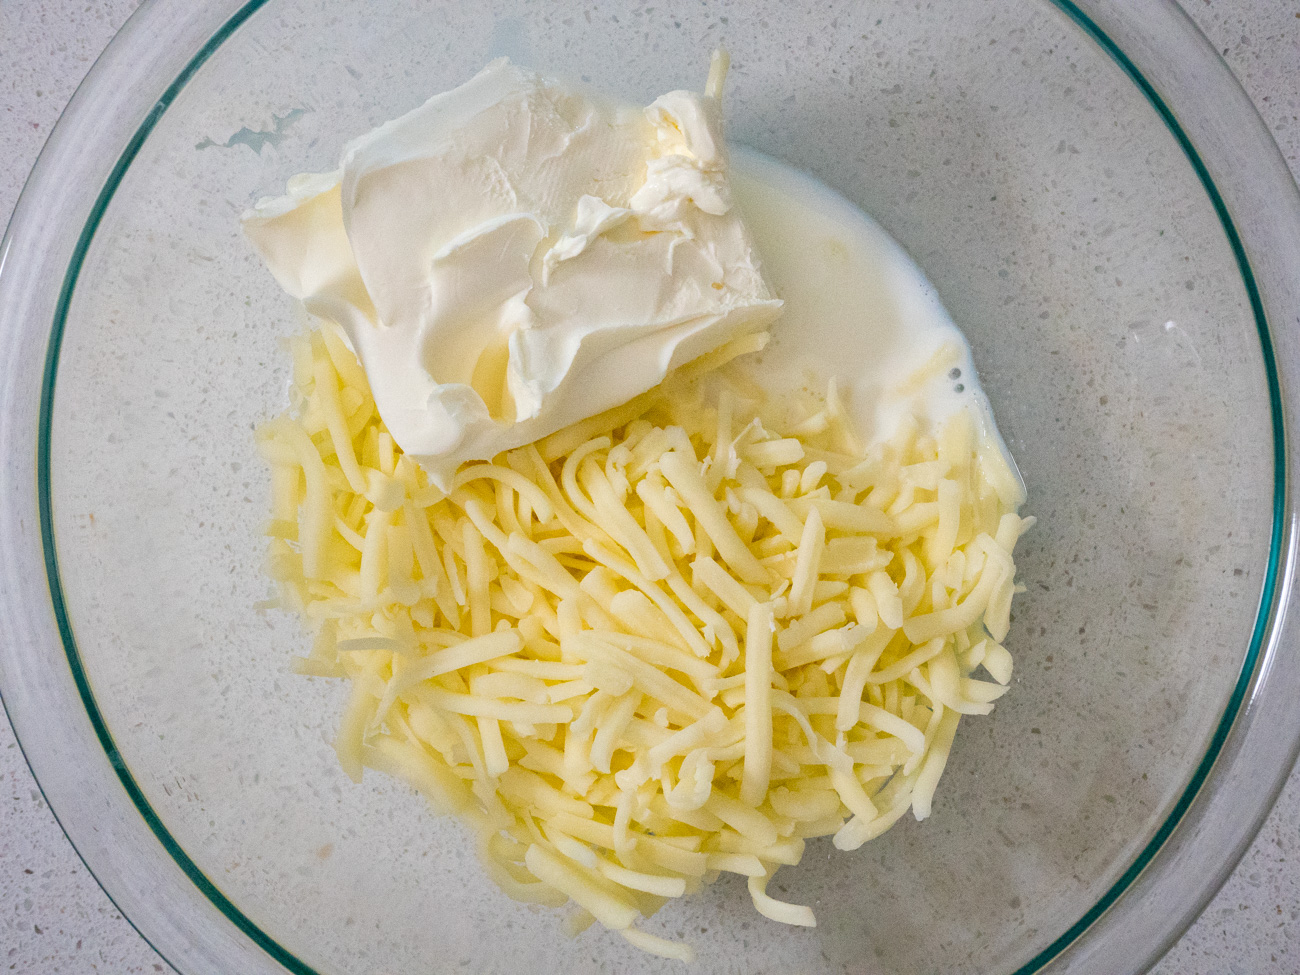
(856, 306)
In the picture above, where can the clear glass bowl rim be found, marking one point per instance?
(1174, 875)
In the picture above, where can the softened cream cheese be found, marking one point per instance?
(517, 254)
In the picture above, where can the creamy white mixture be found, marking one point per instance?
(517, 254)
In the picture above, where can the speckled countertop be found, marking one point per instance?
(53, 916)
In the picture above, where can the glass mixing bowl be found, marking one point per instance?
(1099, 207)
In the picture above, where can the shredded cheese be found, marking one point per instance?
(672, 641)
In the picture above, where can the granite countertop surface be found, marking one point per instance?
(55, 919)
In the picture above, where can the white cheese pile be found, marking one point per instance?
(678, 639)
(518, 254)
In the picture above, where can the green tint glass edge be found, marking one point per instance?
(1267, 593)
(286, 958)
(45, 422)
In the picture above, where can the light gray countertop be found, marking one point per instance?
(53, 916)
